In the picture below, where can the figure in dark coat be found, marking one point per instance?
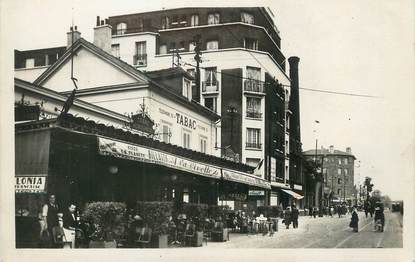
(294, 216)
(287, 217)
(354, 223)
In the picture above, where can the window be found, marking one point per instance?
(140, 25)
(194, 20)
(121, 28)
(187, 90)
(211, 103)
(140, 57)
(30, 62)
(339, 192)
(212, 45)
(165, 22)
(340, 161)
(253, 83)
(346, 161)
(186, 139)
(163, 49)
(252, 162)
(253, 73)
(203, 144)
(115, 50)
(339, 181)
(247, 18)
(213, 18)
(172, 46)
(47, 60)
(166, 133)
(253, 107)
(345, 171)
(210, 76)
(339, 171)
(183, 20)
(250, 43)
(253, 138)
(324, 170)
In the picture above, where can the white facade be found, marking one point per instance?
(29, 74)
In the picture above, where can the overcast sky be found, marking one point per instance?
(355, 46)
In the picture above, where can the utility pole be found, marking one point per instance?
(198, 59)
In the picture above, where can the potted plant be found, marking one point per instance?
(107, 220)
(155, 215)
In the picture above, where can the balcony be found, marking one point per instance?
(209, 87)
(254, 86)
(140, 60)
(256, 115)
(253, 145)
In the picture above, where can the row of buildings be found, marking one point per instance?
(188, 104)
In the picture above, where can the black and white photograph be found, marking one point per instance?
(187, 130)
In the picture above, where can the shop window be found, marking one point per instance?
(212, 45)
(213, 18)
(194, 20)
(203, 144)
(186, 139)
(115, 50)
(121, 28)
(163, 49)
(211, 103)
(186, 195)
(247, 18)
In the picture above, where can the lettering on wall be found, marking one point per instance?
(185, 121)
(30, 184)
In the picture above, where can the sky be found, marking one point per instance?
(356, 46)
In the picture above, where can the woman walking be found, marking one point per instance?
(354, 223)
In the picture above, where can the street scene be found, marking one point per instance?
(181, 127)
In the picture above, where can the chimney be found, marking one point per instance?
(331, 150)
(349, 150)
(76, 36)
(102, 35)
(294, 102)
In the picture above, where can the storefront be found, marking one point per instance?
(80, 161)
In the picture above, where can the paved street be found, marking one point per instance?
(325, 232)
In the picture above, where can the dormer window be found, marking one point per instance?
(165, 22)
(194, 20)
(121, 28)
(247, 18)
(212, 45)
(187, 89)
(213, 18)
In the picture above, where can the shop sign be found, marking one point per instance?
(298, 187)
(245, 179)
(256, 192)
(186, 121)
(30, 184)
(233, 196)
(143, 154)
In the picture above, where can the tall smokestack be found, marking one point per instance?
(294, 103)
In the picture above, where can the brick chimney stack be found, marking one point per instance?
(102, 35)
(348, 150)
(76, 36)
(331, 149)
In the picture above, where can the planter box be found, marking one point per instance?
(160, 241)
(220, 236)
(102, 244)
(198, 241)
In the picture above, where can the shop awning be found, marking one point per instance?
(293, 194)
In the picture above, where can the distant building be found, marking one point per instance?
(338, 172)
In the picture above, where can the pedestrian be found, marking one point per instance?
(310, 211)
(294, 216)
(366, 210)
(315, 212)
(339, 211)
(354, 222)
(287, 217)
(379, 215)
(331, 211)
(50, 216)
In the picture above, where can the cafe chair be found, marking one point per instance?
(144, 238)
(189, 234)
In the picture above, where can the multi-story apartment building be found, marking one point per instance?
(338, 173)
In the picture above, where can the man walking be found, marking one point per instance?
(50, 215)
(294, 216)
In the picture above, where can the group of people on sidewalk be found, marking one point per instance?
(379, 219)
(291, 215)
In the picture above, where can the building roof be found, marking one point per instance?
(132, 71)
(169, 72)
(82, 125)
(324, 151)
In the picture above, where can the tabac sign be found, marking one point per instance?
(30, 184)
(143, 154)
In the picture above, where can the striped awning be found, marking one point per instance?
(293, 194)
